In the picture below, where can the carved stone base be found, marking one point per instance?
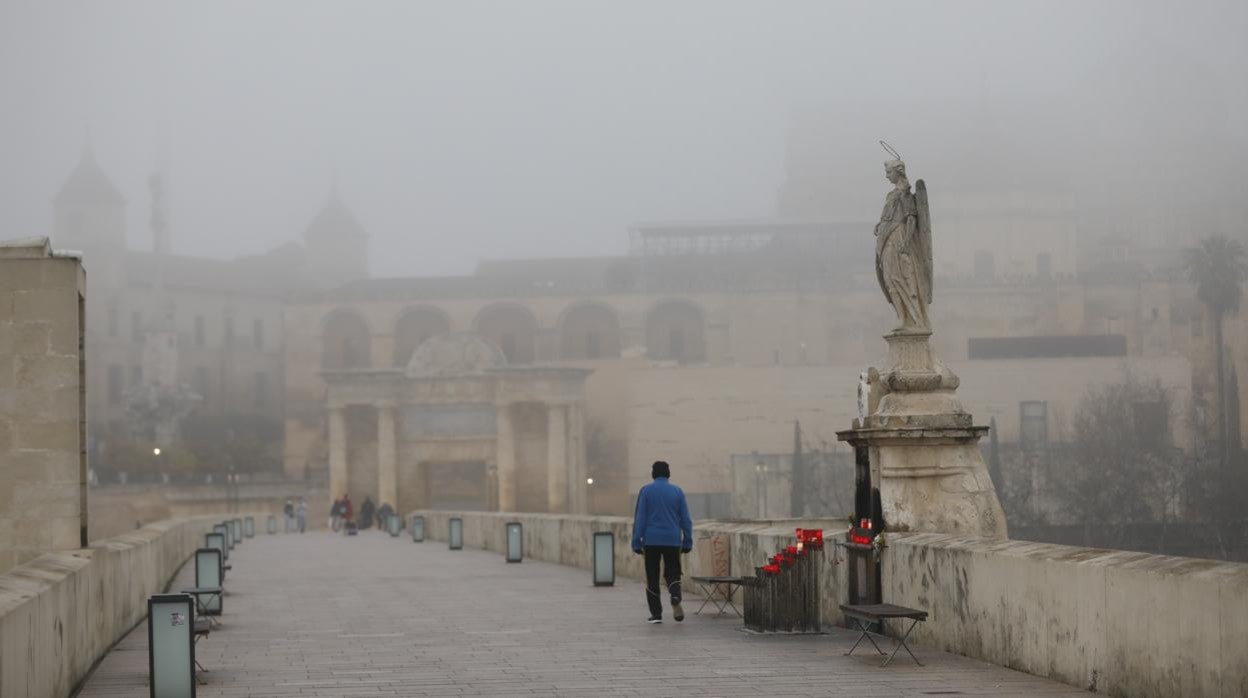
(932, 476)
(916, 384)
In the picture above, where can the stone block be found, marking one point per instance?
(6, 440)
(46, 372)
(21, 275)
(31, 338)
(45, 306)
(59, 435)
(63, 339)
(65, 533)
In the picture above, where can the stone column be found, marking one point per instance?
(387, 456)
(557, 459)
(506, 458)
(337, 452)
(578, 502)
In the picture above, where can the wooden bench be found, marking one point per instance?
(863, 614)
(718, 585)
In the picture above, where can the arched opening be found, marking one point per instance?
(674, 332)
(414, 327)
(589, 331)
(512, 329)
(345, 342)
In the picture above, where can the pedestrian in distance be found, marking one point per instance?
(301, 514)
(662, 531)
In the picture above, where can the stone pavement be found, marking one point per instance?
(326, 615)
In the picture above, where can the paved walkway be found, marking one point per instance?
(325, 615)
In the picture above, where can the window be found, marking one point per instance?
(1033, 424)
(201, 382)
(257, 333)
(1044, 265)
(199, 331)
(114, 384)
(136, 375)
(261, 389)
(136, 327)
(676, 345)
(507, 342)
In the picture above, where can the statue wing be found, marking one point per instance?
(924, 239)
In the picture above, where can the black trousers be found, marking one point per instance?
(669, 555)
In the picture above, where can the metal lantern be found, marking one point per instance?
(209, 573)
(171, 645)
(515, 542)
(604, 559)
(236, 530)
(223, 531)
(418, 529)
(394, 524)
(272, 524)
(455, 534)
(249, 527)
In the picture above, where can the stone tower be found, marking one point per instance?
(337, 245)
(89, 215)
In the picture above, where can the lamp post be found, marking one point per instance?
(455, 534)
(249, 527)
(760, 484)
(604, 559)
(418, 529)
(171, 645)
(515, 541)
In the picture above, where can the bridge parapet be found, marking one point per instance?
(62, 611)
(1120, 623)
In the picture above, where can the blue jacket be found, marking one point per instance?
(662, 517)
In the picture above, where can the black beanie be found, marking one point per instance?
(660, 469)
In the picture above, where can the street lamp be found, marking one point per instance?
(589, 481)
(418, 529)
(455, 534)
(760, 484)
(604, 559)
(156, 451)
(515, 542)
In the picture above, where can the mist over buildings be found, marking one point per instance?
(480, 130)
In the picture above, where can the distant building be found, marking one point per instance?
(225, 317)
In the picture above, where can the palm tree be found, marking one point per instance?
(1217, 267)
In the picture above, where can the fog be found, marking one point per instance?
(480, 130)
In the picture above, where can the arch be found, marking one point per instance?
(345, 341)
(675, 332)
(511, 328)
(415, 325)
(589, 331)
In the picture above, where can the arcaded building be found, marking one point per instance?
(704, 346)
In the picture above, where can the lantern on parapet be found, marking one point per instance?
(249, 527)
(216, 539)
(604, 559)
(394, 524)
(209, 573)
(271, 525)
(236, 531)
(455, 533)
(515, 541)
(418, 529)
(224, 531)
(171, 645)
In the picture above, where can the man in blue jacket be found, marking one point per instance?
(662, 530)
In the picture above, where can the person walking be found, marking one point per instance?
(289, 510)
(662, 530)
(301, 514)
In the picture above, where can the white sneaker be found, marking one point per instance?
(654, 620)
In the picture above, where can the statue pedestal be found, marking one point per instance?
(924, 448)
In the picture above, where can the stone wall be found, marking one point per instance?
(116, 509)
(42, 404)
(62, 611)
(1122, 623)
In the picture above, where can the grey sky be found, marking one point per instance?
(469, 130)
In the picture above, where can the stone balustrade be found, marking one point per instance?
(62, 611)
(1120, 623)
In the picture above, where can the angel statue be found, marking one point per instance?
(903, 248)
